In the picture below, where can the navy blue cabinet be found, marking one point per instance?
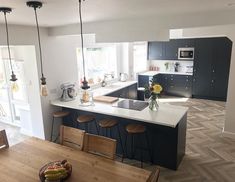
(211, 68)
(143, 80)
(167, 50)
(220, 67)
(156, 50)
(177, 85)
(212, 58)
(185, 42)
(202, 67)
(171, 50)
(129, 92)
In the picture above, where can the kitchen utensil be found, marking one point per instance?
(123, 77)
(69, 92)
(106, 99)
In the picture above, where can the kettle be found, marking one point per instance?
(69, 92)
(123, 77)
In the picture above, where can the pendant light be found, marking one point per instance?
(85, 85)
(14, 85)
(35, 5)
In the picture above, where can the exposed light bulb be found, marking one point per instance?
(14, 86)
(44, 91)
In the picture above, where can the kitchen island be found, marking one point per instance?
(166, 128)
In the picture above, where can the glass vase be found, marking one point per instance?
(153, 103)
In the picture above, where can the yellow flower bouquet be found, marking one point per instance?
(153, 91)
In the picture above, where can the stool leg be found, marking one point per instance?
(149, 149)
(106, 132)
(125, 146)
(141, 154)
(86, 127)
(74, 118)
(121, 142)
(52, 127)
(97, 129)
(132, 146)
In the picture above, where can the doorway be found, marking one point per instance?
(11, 103)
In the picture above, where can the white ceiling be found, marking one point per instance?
(63, 12)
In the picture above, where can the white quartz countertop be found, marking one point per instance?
(111, 88)
(167, 115)
(152, 73)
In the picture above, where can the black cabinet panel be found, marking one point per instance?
(156, 50)
(167, 50)
(171, 50)
(211, 68)
(132, 92)
(164, 83)
(143, 81)
(202, 67)
(220, 67)
(179, 85)
(186, 42)
(129, 92)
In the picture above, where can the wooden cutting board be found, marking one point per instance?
(106, 99)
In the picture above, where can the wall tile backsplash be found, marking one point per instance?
(171, 66)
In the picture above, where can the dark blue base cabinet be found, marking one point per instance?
(172, 84)
(167, 144)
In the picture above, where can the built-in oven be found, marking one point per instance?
(186, 53)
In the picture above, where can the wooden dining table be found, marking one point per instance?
(22, 162)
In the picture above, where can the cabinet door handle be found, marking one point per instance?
(212, 81)
(213, 71)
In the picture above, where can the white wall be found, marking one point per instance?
(117, 31)
(60, 67)
(229, 31)
(22, 35)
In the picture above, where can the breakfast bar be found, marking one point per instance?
(166, 128)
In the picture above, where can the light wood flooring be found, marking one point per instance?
(209, 156)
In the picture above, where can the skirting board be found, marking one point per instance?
(25, 132)
(228, 134)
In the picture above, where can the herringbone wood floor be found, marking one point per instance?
(209, 156)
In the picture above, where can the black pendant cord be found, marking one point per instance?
(8, 42)
(39, 40)
(82, 41)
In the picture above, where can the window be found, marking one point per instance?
(98, 62)
(140, 56)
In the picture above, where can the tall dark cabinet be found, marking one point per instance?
(202, 68)
(211, 68)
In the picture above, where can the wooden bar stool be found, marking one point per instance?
(57, 114)
(109, 123)
(137, 130)
(86, 119)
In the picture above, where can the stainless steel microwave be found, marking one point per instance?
(186, 53)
